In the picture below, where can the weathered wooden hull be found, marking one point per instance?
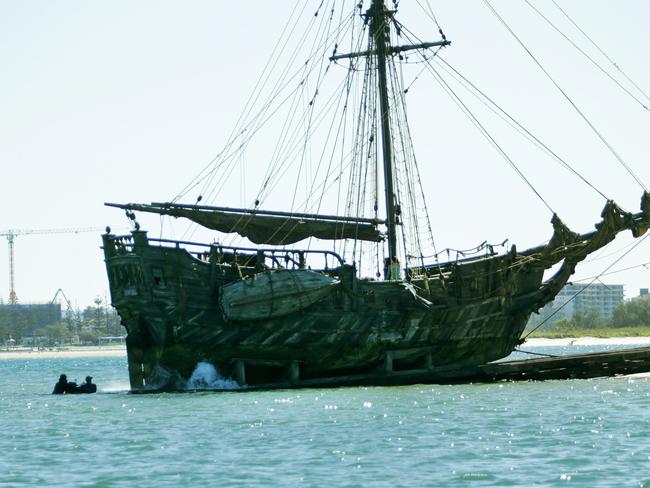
(168, 300)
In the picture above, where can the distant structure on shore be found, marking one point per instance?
(598, 297)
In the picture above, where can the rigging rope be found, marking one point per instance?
(586, 55)
(517, 125)
(244, 131)
(577, 109)
(601, 51)
(642, 265)
(480, 126)
(248, 107)
(536, 353)
(485, 132)
(286, 153)
(413, 176)
(492, 105)
(311, 107)
(597, 278)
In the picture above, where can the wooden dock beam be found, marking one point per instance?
(578, 366)
(291, 369)
(240, 372)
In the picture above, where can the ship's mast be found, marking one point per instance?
(378, 28)
(377, 16)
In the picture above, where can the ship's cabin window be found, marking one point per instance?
(158, 278)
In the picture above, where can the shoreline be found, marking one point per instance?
(588, 341)
(63, 352)
(120, 350)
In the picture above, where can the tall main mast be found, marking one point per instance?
(378, 28)
(377, 16)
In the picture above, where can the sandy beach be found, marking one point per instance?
(62, 352)
(120, 350)
(588, 341)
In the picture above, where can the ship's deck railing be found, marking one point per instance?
(276, 258)
(296, 257)
(443, 268)
(119, 244)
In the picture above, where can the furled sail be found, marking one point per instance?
(264, 227)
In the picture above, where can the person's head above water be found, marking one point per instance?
(63, 378)
(89, 379)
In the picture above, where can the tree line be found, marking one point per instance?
(633, 313)
(47, 324)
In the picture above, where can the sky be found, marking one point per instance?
(127, 101)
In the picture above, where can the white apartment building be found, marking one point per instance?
(601, 297)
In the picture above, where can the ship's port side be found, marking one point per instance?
(169, 296)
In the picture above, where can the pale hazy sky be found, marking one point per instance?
(128, 100)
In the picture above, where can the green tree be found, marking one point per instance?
(588, 319)
(55, 333)
(114, 323)
(88, 336)
(634, 313)
(102, 319)
(564, 324)
(581, 320)
(14, 322)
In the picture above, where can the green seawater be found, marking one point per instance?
(557, 433)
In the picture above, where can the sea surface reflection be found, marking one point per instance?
(582, 432)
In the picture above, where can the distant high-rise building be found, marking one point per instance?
(597, 296)
(580, 297)
(643, 293)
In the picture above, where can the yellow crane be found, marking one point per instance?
(11, 235)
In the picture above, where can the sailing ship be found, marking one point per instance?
(281, 311)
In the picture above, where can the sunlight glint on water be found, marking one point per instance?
(586, 433)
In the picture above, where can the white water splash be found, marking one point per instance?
(114, 387)
(206, 376)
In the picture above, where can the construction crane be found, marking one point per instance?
(60, 292)
(11, 235)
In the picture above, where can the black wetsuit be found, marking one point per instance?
(87, 388)
(71, 388)
(60, 388)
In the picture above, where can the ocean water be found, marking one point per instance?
(556, 433)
